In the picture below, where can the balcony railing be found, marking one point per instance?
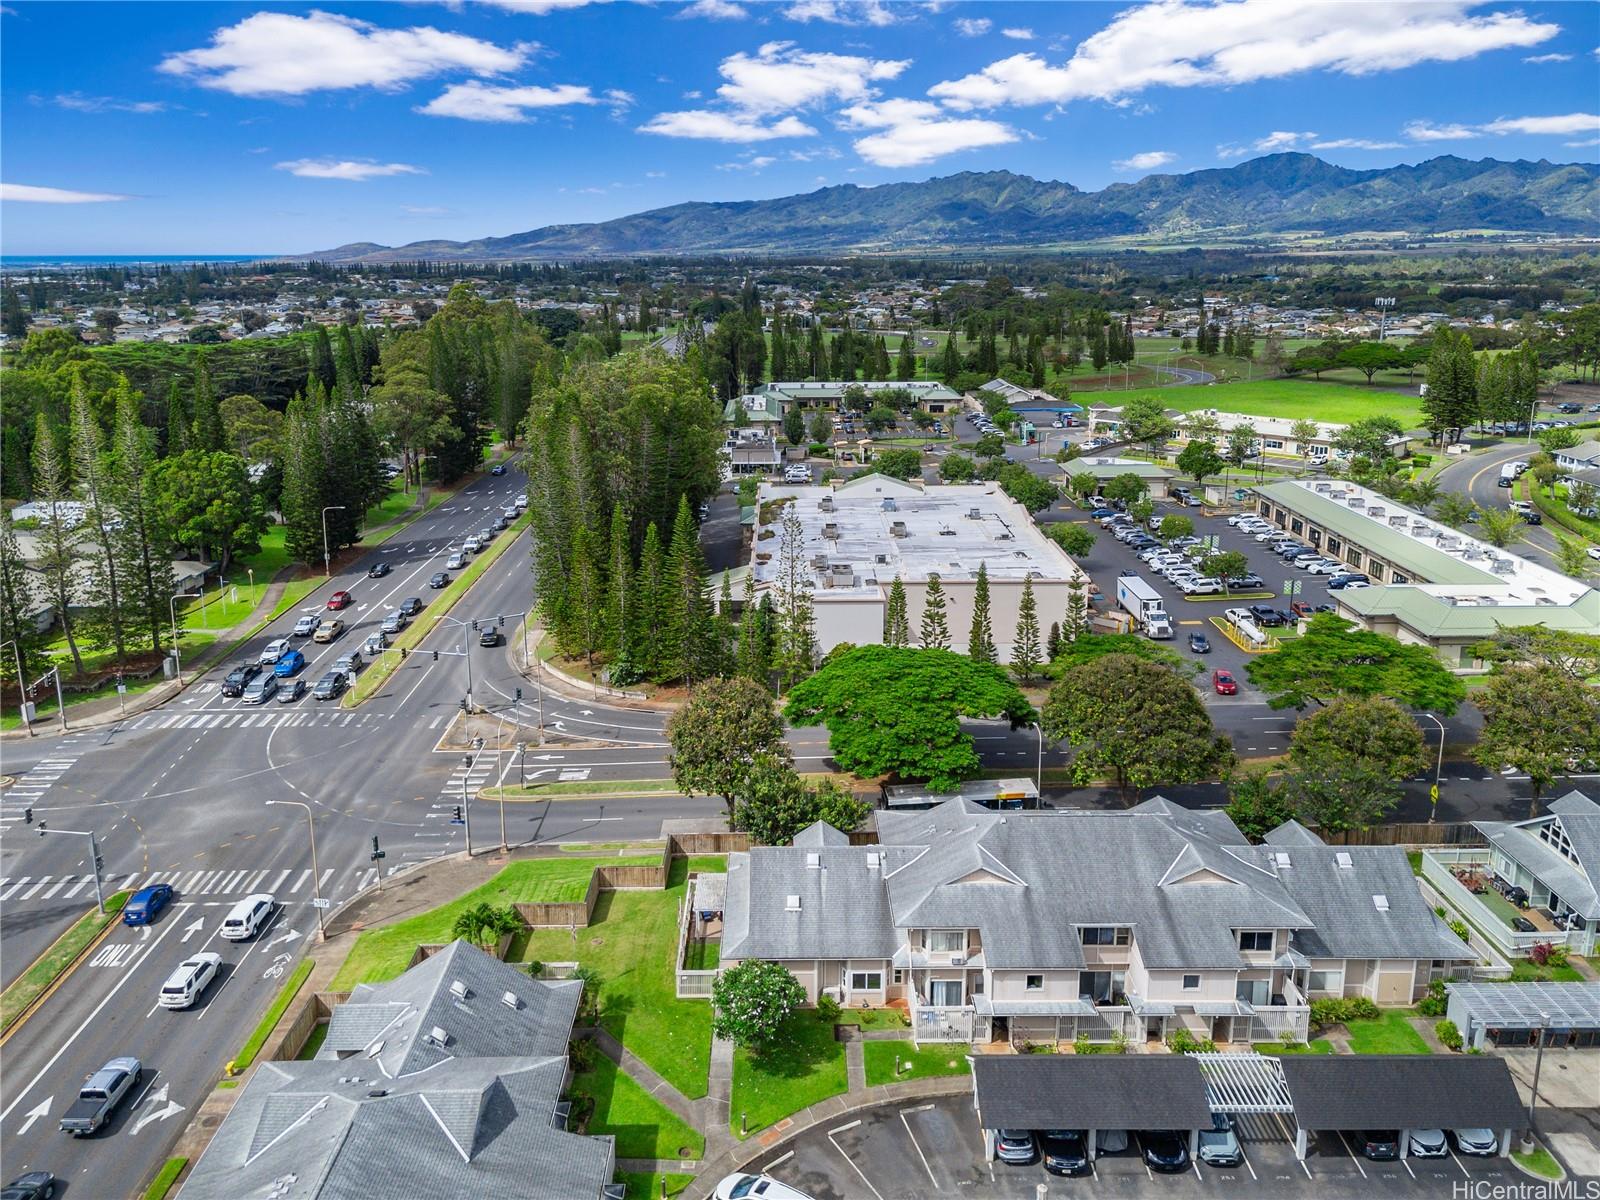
(1485, 921)
(942, 1024)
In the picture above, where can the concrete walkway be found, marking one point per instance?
(645, 1076)
(855, 1066)
(716, 1110)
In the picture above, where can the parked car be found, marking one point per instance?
(291, 690)
(1065, 1151)
(1427, 1143)
(411, 605)
(1301, 610)
(1203, 586)
(1110, 1141)
(33, 1185)
(260, 690)
(289, 665)
(379, 570)
(1480, 1142)
(1380, 1145)
(189, 979)
(438, 580)
(1348, 579)
(1219, 1145)
(236, 680)
(340, 599)
(141, 907)
(305, 626)
(1199, 643)
(330, 687)
(328, 630)
(273, 651)
(1245, 582)
(1164, 1150)
(1266, 615)
(1015, 1146)
(394, 622)
(101, 1095)
(1224, 683)
(1320, 566)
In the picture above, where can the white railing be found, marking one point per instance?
(942, 1024)
(1272, 1021)
(1483, 920)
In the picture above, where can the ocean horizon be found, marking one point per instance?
(15, 261)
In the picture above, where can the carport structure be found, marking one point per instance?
(1090, 1092)
(1245, 1083)
(1401, 1091)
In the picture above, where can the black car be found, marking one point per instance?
(330, 687)
(411, 605)
(379, 570)
(1164, 1151)
(1066, 1151)
(439, 579)
(490, 636)
(238, 678)
(1266, 615)
(1199, 644)
(1380, 1145)
(35, 1185)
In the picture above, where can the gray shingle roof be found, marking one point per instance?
(1100, 1091)
(1292, 833)
(1402, 1091)
(465, 1122)
(1576, 883)
(1346, 921)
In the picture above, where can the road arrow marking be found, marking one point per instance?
(558, 725)
(172, 1109)
(190, 930)
(545, 757)
(587, 712)
(287, 936)
(33, 1114)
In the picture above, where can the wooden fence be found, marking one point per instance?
(563, 914)
(1444, 833)
(292, 1033)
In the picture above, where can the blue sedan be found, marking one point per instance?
(292, 663)
(144, 904)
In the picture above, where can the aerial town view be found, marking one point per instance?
(799, 600)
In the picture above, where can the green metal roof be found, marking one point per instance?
(1435, 617)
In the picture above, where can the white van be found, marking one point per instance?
(246, 917)
(184, 985)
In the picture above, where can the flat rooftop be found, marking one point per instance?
(862, 533)
(922, 389)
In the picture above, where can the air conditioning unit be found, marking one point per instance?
(975, 514)
(459, 990)
(958, 960)
(830, 531)
(898, 529)
(825, 504)
(888, 504)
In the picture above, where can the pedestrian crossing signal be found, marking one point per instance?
(457, 819)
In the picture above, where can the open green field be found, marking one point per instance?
(804, 1065)
(947, 1059)
(1391, 1033)
(1291, 398)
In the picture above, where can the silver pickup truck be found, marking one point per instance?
(100, 1095)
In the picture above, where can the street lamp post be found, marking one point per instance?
(94, 854)
(466, 802)
(1438, 770)
(1038, 769)
(1538, 1061)
(316, 885)
(327, 559)
(172, 611)
(251, 571)
(22, 684)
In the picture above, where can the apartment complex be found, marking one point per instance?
(1431, 585)
(1273, 436)
(1555, 859)
(1056, 924)
(860, 535)
(931, 396)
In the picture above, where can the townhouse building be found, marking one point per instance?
(1056, 924)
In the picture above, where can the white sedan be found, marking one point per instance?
(1593, 552)
(273, 651)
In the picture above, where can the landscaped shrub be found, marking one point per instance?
(818, 449)
(1539, 953)
(1362, 1009)
(1336, 1010)
(1447, 1033)
(1461, 929)
(1433, 1004)
(828, 1009)
(581, 1053)
(1181, 1041)
(1558, 956)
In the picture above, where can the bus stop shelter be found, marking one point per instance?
(1403, 1092)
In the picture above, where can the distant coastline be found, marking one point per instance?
(18, 262)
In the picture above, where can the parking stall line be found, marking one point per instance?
(848, 1159)
(1407, 1165)
(916, 1144)
(1457, 1161)
(778, 1162)
(1353, 1156)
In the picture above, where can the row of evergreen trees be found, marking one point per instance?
(1028, 645)
(1465, 389)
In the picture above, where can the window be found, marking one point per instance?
(866, 981)
(1255, 939)
(1035, 983)
(899, 976)
(1274, 444)
(1102, 987)
(1355, 560)
(945, 993)
(1396, 577)
(1334, 545)
(1325, 981)
(1104, 935)
(947, 941)
(1252, 991)
(1297, 526)
(1191, 983)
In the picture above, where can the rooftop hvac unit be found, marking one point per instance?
(1376, 510)
(459, 990)
(946, 531)
(791, 904)
(881, 559)
(1322, 489)
(975, 514)
(888, 504)
(1397, 521)
(511, 1000)
(1504, 566)
(1355, 502)
(1282, 859)
(898, 529)
(825, 504)
(1004, 537)
(820, 561)
(831, 531)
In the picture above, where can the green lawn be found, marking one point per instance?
(702, 956)
(875, 1018)
(1524, 970)
(642, 1125)
(1291, 398)
(314, 1042)
(630, 946)
(806, 1065)
(948, 1059)
(1391, 1033)
(165, 1178)
(1316, 1046)
(383, 953)
(648, 1187)
(1539, 1161)
(391, 506)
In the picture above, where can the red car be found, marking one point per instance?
(340, 600)
(1224, 682)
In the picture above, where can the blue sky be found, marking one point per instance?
(242, 128)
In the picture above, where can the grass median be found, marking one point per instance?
(258, 1038)
(56, 961)
(374, 677)
(165, 1178)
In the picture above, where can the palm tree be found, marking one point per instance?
(1499, 526)
(1421, 493)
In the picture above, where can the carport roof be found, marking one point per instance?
(1402, 1091)
(1096, 1091)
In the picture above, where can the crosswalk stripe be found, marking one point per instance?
(14, 888)
(277, 884)
(254, 880)
(203, 883)
(231, 882)
(64, 880)
(233, 719)
(327, 875)
(83, 882)
(300, 882)
(29, 894)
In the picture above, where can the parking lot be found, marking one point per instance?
(934, 1148)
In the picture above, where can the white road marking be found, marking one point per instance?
(916, 1144)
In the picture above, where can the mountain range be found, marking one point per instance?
(1276, 194)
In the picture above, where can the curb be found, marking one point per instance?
(67, 969)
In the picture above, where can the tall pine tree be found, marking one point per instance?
(686, 620)
(980, 641)
(1025, 646)
(896, 630)
(101, 520)
(206, 432)
(142, 537)
(753, 660)
(60, 535)
(177, 420)
(796, 630)
(935, 623)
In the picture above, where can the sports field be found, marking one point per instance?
(1292, 398)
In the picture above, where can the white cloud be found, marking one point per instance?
(1566, 123)
(913, 132)
(426, 210)
(655, 174)
(778, 78)
(1017, 33)
(24, 193)
(1148, 161)
(540, 8)
(1594, 141)
(282, 54)
(715, 10)
(1427, 131)
(723, 127)
(1174, 43)
(350, 169)
(749, 164)
(972, 26)
(1281, 139)
(841, 12)
(1355, 144)
(475, 100)
(78, 102)
(1548, 58)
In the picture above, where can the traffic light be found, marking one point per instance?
(402, 654)
(99, 862)
(27, 816)
(435, 656)
(519, 696)
(464, 704)
(43, 827)
(376, 852)
(457, 819)
(502, 622)
(474, 627)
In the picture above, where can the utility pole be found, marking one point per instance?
(327, 568)
(94, 853)
(22, 688)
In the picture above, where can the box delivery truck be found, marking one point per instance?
(1144, 604)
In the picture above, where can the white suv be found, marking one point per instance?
(797, 474)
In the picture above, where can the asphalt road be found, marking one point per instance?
(1477, 478)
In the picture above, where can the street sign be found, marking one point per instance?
(320, 902)
(1291, 587)
(1433, 793)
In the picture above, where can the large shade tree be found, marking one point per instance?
(1334, 658)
